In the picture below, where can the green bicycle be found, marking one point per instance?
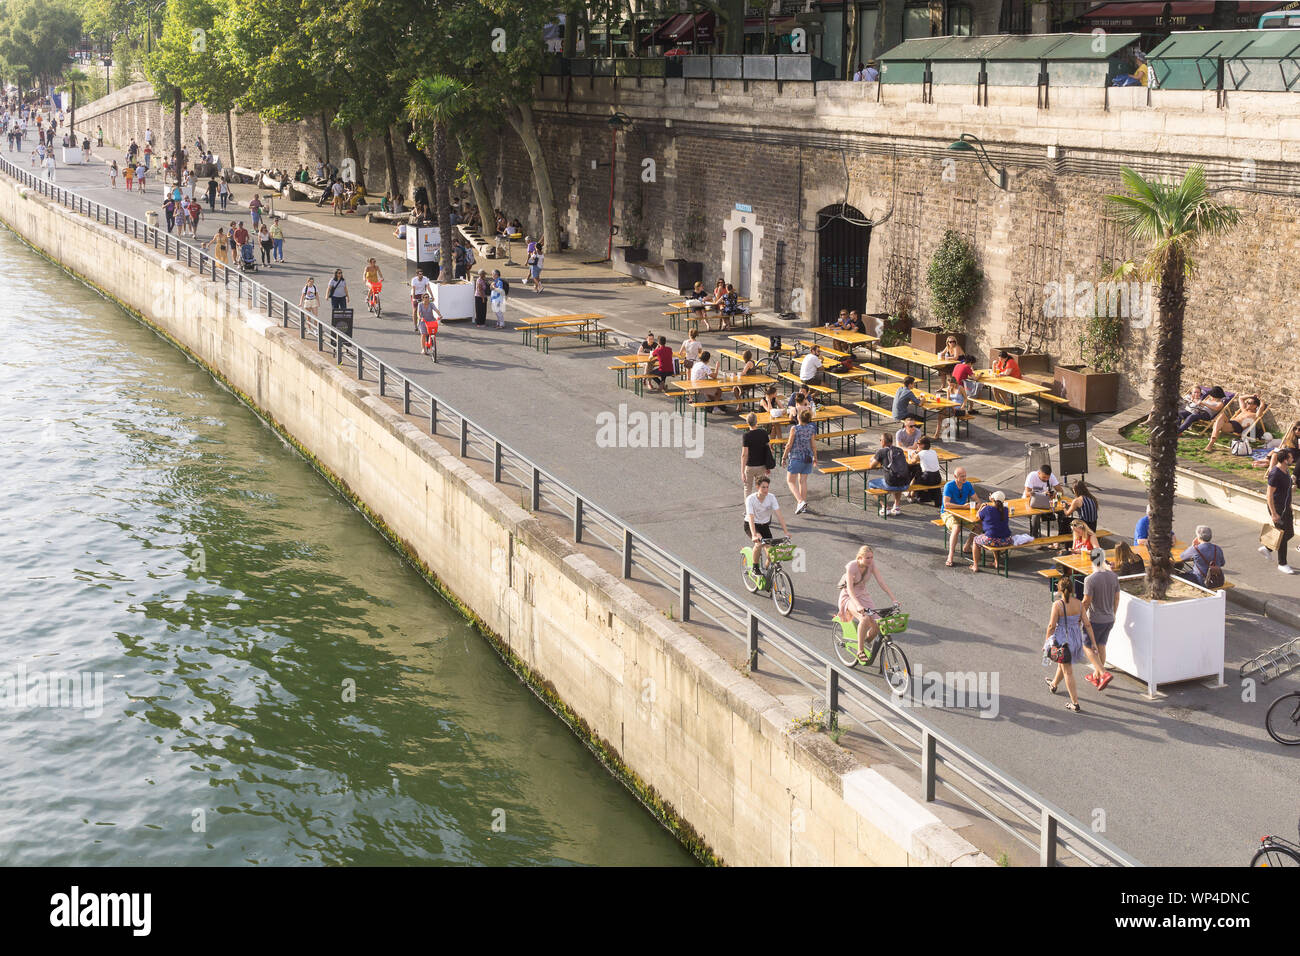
(771, 576)
(887, 656)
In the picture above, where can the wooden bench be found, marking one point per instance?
(872, 410)
(839, 378)
(997, 407)
(1053, 402)
(719, 403)
(835, 471)
(816, 389)
(732, 356)
(544, 338)
(1032, 543)
(825, 349)
(882, 370)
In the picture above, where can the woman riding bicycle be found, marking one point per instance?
(855, 602)
(374, 280)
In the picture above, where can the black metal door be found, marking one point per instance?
(842, 243)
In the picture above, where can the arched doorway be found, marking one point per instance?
(842, 242)
(743, 257)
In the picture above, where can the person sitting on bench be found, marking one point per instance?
(995, 519)
(893, 461)
(1040, 488)
(926, 472)
(1202, 553)
(810, 370)
(661, 363)
(1007, 365)
(957, 493)
(907, 404)
(702, 371)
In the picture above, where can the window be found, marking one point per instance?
(960, 20)
(917, 22)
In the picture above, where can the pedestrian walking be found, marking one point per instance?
(1280, 482)
(212, 194)
(255, 210)
(169, 213)
(535, 259)
(481, 293)
(49, 166)
(1065, 643)
(264, 241)
(498, 298)
(220, 246)
(277, 240)
(223, 193)
(1100, 602)
(338, 291)
(112, 175)
(309, 300)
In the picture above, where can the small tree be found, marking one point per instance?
(954, 279)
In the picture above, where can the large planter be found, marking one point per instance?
(71, 157)
(932, 339)
(1160, 642)
(1086, 390)
(455, 300)
(874, 322)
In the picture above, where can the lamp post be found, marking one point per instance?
(969, 143)
(616, 123)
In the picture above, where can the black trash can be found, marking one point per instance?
(341, 319)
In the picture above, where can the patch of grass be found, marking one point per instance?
(1192, 449)
(1002, 859)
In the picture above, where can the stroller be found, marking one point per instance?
(246, 260)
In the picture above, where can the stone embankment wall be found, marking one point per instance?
(712, 744)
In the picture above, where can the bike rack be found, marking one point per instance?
(1274, 663)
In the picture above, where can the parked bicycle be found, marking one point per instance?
(888, 657)
(1275, 851)
(771, 577)
(1283, 719)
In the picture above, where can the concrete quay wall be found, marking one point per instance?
(691, 732)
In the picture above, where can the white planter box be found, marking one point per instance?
(455, 300)
(1166, 641)
(71, 157)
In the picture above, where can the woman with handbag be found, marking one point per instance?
(1065, 642)
(1281, 529)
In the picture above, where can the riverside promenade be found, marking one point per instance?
(1190, 752)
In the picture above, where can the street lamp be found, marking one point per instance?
(970, 143)
(616, 122)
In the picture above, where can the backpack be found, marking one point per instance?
(896, 467)
(505, 286)
(1213, 575)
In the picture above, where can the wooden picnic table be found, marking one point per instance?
(529, 326)
(680, 310)
(827, 413)
(760, 343)
(929, 401)
(1009, 384)
(913, 356)
(844, 336)
(626, 362)
(1018, 508)
(1081, 564)
(861, 464)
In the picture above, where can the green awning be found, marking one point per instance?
(1075, 59)
(1265, 60)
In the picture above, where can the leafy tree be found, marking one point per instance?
(1170, 219)
(954, 279)
(35, 36)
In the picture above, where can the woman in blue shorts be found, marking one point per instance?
(800, 455)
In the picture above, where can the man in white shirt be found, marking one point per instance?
(1041, 482)
(810, 371)
(419, 286)
(148, 136)
(760, 508)
(702, 371)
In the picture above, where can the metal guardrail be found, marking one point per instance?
(1004, 801)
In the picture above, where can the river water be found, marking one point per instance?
(252, 675)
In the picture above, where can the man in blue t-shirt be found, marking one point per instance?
(1143, 529)
(957, 493)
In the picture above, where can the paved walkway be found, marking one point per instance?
(1164, 779)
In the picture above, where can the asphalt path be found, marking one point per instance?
(1190, 778)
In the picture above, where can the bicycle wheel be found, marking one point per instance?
(1271, 854)
(379, 309)
(845, 650)
(747, 576)
(1283, 720)
(898, 675)
(782, 593)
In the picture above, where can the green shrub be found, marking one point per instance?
(954, 279)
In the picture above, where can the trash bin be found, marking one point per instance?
(1036, 455)
(151, 219)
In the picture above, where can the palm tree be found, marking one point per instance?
(1170, 219)
(76, 80)
(432, 102)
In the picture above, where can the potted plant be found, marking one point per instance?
(1166, 629)
(1092, 385)
(954, 279)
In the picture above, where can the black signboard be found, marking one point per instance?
(341, 319)
(1074, 446)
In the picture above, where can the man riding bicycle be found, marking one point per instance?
(420, 287)
(760, 507)
(374, 282)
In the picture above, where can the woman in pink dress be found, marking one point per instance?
(856, 603)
